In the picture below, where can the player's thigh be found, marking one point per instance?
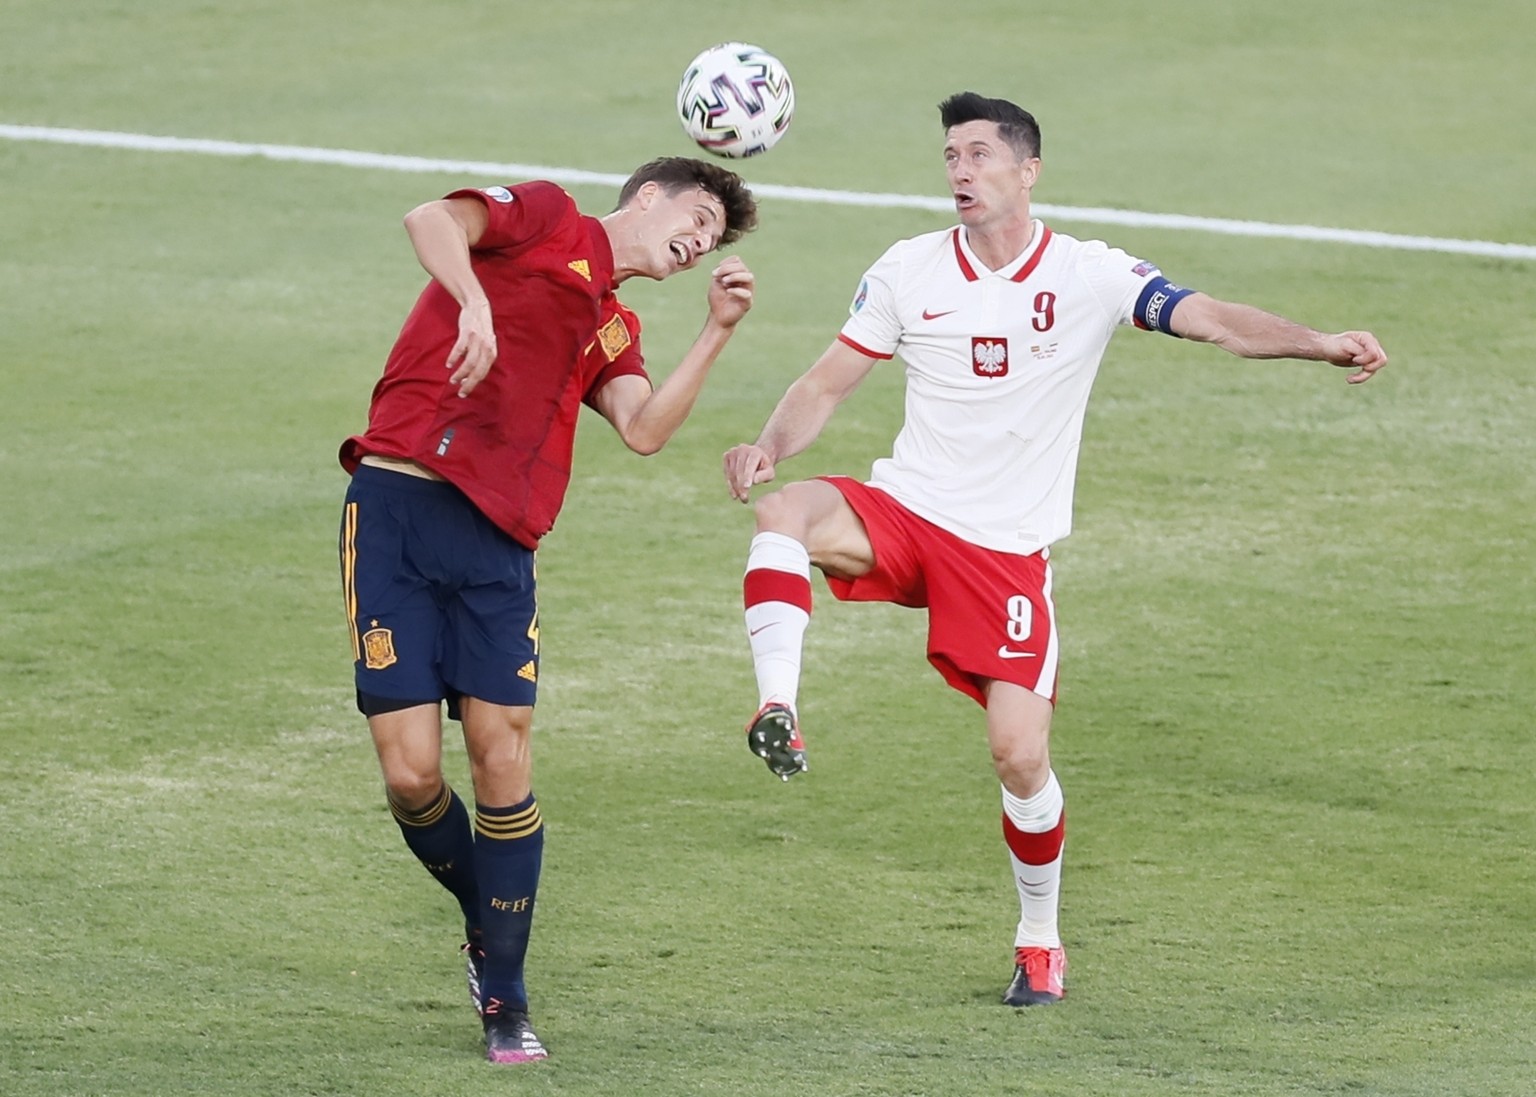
(815, 513)
(394, 616)
(409, 743)
(991, 614)
(490, 645)
(498, 740)
(491, 665)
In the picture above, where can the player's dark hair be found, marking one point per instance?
(680, 173)
(1014, 124)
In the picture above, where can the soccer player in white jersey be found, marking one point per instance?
(1001, 323)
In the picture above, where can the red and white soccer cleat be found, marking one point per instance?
(1039, 977)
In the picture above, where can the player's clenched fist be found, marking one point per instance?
(730, 291)
(1359, 350)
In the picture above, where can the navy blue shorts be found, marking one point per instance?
(442, 603)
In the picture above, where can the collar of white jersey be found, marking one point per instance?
(1016, 271)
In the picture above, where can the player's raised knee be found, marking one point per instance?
(783, 511)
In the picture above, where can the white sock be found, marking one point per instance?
(1035, 831)
(777, 590)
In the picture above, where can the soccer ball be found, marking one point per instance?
(735, 100)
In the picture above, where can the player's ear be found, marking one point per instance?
(1030, 172)
(645, 195)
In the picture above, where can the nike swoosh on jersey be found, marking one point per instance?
(935, 315)
(1004, 653)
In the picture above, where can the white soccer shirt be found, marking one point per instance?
(999, 366)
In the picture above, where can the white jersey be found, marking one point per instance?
(999, 367)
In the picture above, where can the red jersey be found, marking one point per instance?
(561, 335)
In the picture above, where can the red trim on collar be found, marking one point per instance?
(1034, 260)
(965, 264)
(1022, 273)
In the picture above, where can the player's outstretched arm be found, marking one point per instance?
(1253, 333)
(797, 421)
(646, 420)
(442, 233)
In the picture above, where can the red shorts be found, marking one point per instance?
(990, 614)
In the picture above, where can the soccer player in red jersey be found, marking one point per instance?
(1001, 324)
(463, 468)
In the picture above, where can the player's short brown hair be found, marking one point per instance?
(680, 173)
(1015, 125)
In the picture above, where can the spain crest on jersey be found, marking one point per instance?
(614, 337)
(989, 356)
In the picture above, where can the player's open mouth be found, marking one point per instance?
(964, 199)
(680, 252)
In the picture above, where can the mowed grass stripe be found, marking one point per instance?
(1093, 215)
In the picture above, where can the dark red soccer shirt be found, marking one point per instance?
(561, 335)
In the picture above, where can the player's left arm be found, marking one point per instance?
(646, 420)
(1249, 332)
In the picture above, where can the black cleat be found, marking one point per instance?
(774, 736)
(509, 1038)
(474, 972)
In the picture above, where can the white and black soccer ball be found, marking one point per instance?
(735, 100)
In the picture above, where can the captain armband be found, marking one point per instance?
(1154, 308)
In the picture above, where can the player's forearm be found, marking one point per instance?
(1249, 332)
(798, 420)
(659, 418)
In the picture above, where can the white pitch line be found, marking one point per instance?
(143, 142)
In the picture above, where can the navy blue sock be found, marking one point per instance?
(440, 837)
(509, 848)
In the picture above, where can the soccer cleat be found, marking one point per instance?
(774, 736)
(509, 1038)
(1038, 977)
(474, 972)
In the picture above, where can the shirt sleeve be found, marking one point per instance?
(872, 327)
(518, 215)
(613, 352)
(1132, 290)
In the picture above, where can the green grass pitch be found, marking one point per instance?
(1297, 700)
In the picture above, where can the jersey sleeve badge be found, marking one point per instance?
(614, 337)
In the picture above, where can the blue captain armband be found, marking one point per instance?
(1154, 308)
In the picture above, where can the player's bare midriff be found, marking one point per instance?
(400, 464)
